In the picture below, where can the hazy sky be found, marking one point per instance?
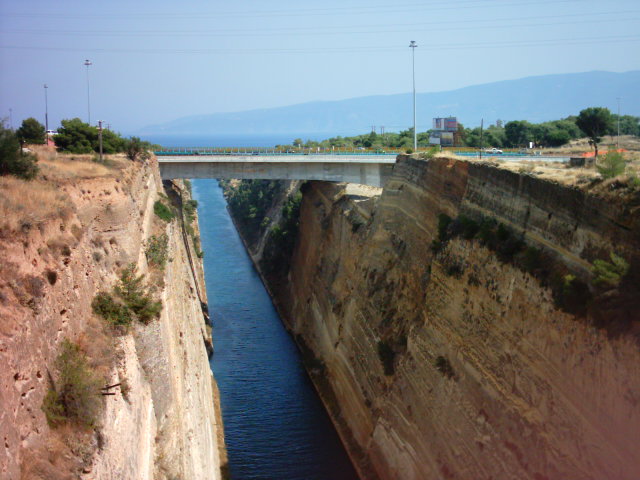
(155, 61)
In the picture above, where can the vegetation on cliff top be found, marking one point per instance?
(14, 161)
(31, 131)
(513, 134)
(76, 136)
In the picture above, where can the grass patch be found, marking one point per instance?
(163, 211)
(30, 203)
(75, 395)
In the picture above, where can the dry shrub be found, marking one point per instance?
(77, 231)
(26, 204)
(67, 451)
(98, 345)
(60, 245)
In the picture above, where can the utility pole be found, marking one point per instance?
(413, 46)
(87, 63)
(11, 118)
(481, 133)
(100, 137)
(46, 116)
(618, 139)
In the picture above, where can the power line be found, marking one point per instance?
(431, 6)
(251, 51)
(309, 32)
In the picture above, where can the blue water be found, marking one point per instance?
(275, 426)
(238, 140)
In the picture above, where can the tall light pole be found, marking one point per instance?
(87, 63)
(413, 46)
(618, 139)
(46, 116)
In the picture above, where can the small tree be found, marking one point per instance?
(13, 161)
(594, 122)
(612, 165)
(75, 396)
(518, 133)
(31, 131)
(137, 149)
(75, 136)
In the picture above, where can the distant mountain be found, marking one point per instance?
(536, 99)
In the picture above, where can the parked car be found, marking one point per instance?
(494, 150)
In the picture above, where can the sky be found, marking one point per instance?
(155, 61)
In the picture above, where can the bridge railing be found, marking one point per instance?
(266, 151)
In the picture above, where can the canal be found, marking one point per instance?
(276, 428)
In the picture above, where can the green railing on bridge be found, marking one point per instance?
(262, 151)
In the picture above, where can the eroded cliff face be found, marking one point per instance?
(452, 362)
(161, 421)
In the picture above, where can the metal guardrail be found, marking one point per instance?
(317, 151)
(262, 151)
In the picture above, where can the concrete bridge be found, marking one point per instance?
(367, 168)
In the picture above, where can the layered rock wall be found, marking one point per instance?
(455, 363)
(161, 422)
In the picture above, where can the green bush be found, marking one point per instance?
(12, 160)
(75, 136)
(110, 309)
(31, 131)
(132, 291)
(612, 165)
(282, 238)
(136, 149)
(75, 395)
(609, 273)
(157, 250)
(130, 299)
(190, 207)
(162, 211)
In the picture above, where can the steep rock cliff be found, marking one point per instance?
(161, 421)
(448, 359)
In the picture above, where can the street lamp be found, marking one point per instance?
(87, 63)
(618, 139)
(46, 116)
(413, 46)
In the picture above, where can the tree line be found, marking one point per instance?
(513, 134)
(74, 136)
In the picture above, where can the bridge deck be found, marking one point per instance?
(368, 169)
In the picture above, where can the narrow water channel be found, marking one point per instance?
(275, 426)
